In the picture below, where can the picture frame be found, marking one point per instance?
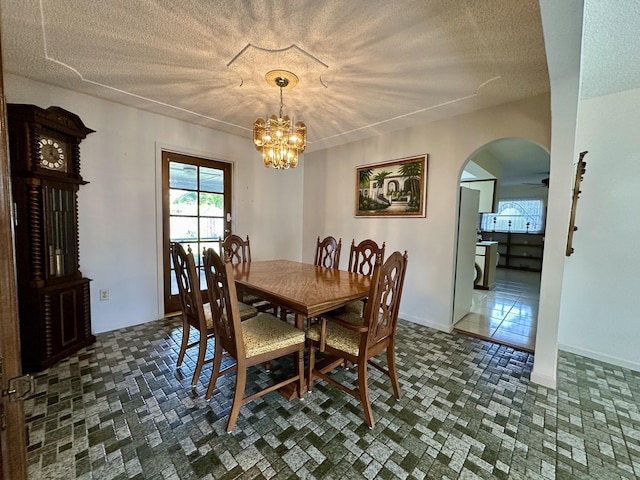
(396, 188)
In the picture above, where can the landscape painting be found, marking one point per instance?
(396, 188)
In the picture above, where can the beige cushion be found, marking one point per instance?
(265, 333)
(337, 337)
(352, 318)
(207, 315)
(355, 306)
(249, 298)
(246, 311)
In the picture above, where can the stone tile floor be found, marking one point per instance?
(121, 410)
(507, 314)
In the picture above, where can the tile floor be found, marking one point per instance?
(121, 410)
(507, 314)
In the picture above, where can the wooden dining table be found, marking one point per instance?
(304, 289)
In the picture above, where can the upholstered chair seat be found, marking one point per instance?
(246, 311)
(336, 336)
(355, 307)
(265, 333)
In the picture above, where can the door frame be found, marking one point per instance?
(13, 439)
(200, 160)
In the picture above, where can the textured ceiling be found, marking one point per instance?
(612, 62)
(365, 67)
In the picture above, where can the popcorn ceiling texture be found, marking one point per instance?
(364, 67)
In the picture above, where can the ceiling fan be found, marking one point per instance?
(543, 183)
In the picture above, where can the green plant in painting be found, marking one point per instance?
(379, 179)
(365, 177)
(411, 173)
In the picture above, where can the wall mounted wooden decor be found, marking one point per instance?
(580, 171)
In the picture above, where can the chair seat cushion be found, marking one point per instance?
(353, 318)
(207, 315)
(337, 337)
(266, 333)
(247, 311)
(355, 306)
(249, 298)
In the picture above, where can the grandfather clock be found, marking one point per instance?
(53, 296)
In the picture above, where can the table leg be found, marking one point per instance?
(290, 391)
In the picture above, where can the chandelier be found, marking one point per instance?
(277, 138)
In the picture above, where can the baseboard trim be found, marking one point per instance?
(584, 352)
(549, 381)
(426, 323)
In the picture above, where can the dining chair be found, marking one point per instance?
(238, 251)
(195, 313)
(328, 252)
(359, 342)
(362, 259)
(257, 340)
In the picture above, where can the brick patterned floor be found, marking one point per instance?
(120, 409)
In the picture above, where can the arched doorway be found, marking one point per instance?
(505, 311)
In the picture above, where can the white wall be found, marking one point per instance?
(562, 24)
(120, 211)
(598, 315)
(330, 185)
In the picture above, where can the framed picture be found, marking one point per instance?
(397, 188)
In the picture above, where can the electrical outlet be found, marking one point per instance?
(104, 294)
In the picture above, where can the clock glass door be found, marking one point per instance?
(196, 210)
(59, 231)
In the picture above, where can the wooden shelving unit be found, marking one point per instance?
(518, 251)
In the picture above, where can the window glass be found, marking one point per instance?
(184, 229)
(182, 175)
(516, 215)
(182, 202)
(211, 228)
(211, 180)
(212, 204)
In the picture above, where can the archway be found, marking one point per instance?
(504, 309)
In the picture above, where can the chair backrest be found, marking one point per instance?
(188, 286)
(224, 303)
(381, 311)
(328, 253)
(237, 249)
(362, 257)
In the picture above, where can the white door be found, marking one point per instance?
(466, 255)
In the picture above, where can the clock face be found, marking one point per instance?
(53, 154)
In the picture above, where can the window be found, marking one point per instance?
(516, 215)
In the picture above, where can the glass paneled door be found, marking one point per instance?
(196, 212)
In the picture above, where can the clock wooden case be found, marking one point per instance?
(53, 296)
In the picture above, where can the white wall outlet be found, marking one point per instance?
(104, 294)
